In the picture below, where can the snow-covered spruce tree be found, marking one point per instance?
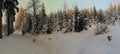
(60, 18)
(50, 24)
(101, 17)
(43, 20)
(95, 17)
(111, 14)
(82, 21)
(65, 22)
(27, 24)
(118, 12)
(70, 20)
(65, 18)
(90, 18)
(56, 22)
(94, 11)
(76, 12)
(34, 8)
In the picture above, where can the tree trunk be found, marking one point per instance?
(34, 16)
(1, 1)
(0, 23)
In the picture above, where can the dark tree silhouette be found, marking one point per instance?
(34, 5)
(43, 18)
(1, 2)
(27, 24)
(76, 12)
(10, 6)
(101, 17)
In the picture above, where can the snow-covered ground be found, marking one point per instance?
(16, 44)
(84, 42)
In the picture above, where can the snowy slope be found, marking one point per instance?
(84, 42)
(16, 44)
(100, 45)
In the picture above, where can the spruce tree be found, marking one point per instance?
(65, 20)
(60, 16)
(10, 6)
(82, 20)
(49, 26)
(76, 12)
(42, 18)
(27, 24)
(34, 6)
(1, 2)
(101, 17)
(95, 14)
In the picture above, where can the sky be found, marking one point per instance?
(55, 5)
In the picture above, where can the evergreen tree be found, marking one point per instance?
(10, 6)
(70, 20)
(1, 2)
(60, 16)
(95, 14)
(94, 11)
(27, 24)
(76, 12)
(101, 17)
(65, 20)
(34, 7)
(82, 22)
(42, 18)
(49, 26)
(118, 7)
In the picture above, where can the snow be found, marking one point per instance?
(16, 44)
(84, 42)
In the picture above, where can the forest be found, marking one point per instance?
(66, 20)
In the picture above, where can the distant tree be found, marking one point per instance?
(34, 6)
(118, 7)
(65, 20)
(41, 20)
(101, 17)
(27, 24)
(82, 21)
(70, 20)
(55, 22)
(112, 14)
(49, 24)
(76, 12)
(94, 11)
(60, 18)
(95, 14)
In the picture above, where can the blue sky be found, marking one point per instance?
(54, 5)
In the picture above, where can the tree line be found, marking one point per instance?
(69, 20)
